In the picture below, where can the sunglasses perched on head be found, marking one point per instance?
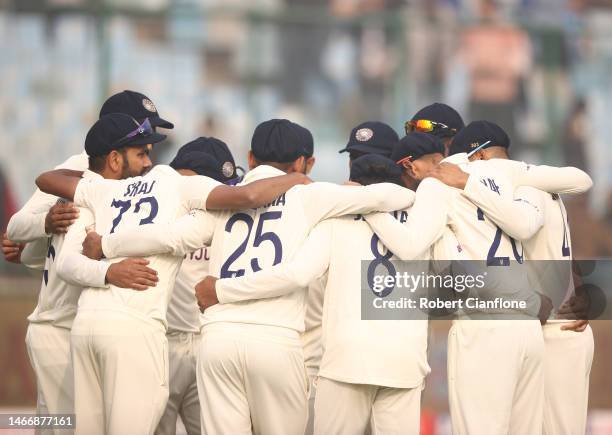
(145, 129)
(426, 126)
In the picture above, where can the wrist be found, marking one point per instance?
(109, 272)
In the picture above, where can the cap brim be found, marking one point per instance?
(367, 149)
(161, 122)
(145, 140)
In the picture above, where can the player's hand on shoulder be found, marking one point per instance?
(351, 183)
(11, 250)
(60, 217)
(132, 273)
(206, 293)
(92, 246)
(450, 174)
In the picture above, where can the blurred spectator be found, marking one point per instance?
(498, 58)
(574, 136)
(8, 205)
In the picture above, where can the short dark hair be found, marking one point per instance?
(96, 164)
(373, 168)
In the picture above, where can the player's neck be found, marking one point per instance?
(109, 174)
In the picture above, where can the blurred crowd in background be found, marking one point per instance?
(539, 68)
(542, 69)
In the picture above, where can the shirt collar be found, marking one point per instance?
(261, 172)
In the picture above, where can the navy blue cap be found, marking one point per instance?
(475, 134)
(374, 168)
(135, 104)
(444, 114)
(111, 132)
(207, 156)
(415, 145)
(281, 141)
(372, 137)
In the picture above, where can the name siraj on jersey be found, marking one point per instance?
(139, 188)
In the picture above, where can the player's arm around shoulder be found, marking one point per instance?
(323, 200)
(77, 269)
(182, 236)
(253, 195)
(562, 180)
(34, 254)
(59, 182)
(424, 224)
(310, 262)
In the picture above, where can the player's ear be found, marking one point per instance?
(299, 165)
(251, 160)
(310, 161)
(114, 161)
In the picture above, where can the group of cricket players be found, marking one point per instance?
(234, 300)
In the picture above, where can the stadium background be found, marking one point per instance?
(541, 68)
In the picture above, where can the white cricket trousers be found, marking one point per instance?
(343, 408)
(312, 384)
(568, 359)
(183, 348)
(495, 377)
(120, 373)
(49, 351)
(252, 379)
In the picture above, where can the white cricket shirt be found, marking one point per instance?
(250, 240)
(160, 196)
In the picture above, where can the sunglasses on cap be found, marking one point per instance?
(425, 126)
(145, 129)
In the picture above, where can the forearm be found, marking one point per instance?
(252, 195)
(554, 180)
(177, 238)
(519, 218)
(59, 182)
(272, 282)
(405, 241)
(424, 226)
(35, 253)
(26, 227)
(76, 269)
(328, 200)
(28, 224)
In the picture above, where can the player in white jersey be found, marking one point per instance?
(511, 393)
(246, 345)
(42, 223)
(568, 343)
(48, 334)
(210, 157)
(118, 336)
(372, 372)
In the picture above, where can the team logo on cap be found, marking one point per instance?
(364, 134)
(148, 104)
(227, 169)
